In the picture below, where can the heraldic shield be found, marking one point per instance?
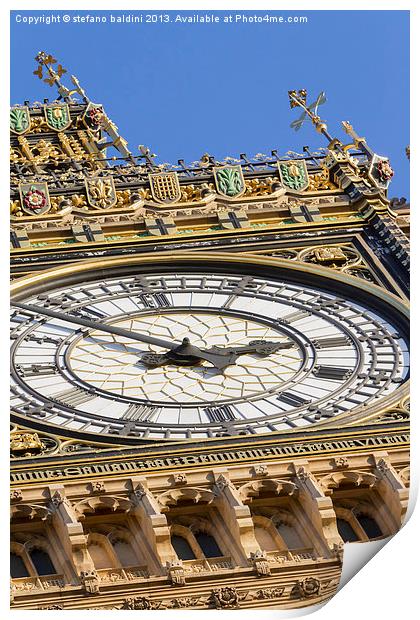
(93, 116)
(229, 181)
(34, 198)
(57, 116)
(100, 192)
(20, 119)
(294, 174)
(380, 171)
(165, 187)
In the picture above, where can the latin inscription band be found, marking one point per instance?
(214, 457)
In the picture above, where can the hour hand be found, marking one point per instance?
(220, 357)
(187, 354)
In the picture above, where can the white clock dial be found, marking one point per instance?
(330, 355)
(112, 364)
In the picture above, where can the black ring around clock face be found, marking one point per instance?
(343, 349)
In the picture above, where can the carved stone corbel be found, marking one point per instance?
(90, 581)
(176, 572)
(260, 470)
(260, 563)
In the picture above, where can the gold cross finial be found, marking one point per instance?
(298, 98)
(54, 74)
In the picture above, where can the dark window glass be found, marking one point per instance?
(182, 548)
(346, 531)
(370, 526)
(208, 545)
(17, 567)
(42, 562)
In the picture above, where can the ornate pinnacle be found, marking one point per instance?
(358, 141)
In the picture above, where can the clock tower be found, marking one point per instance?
(209, 365)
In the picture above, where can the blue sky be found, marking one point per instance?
(187, 89)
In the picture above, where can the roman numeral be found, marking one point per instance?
(238, 289)
(294, 316)
(155, 300)
(19, 316)
(292, 399)
(37, 370)
(43, 339)
(139, 412)
(219, 414)
(89, 313)
(73, 397)
(327, 304)
(331, 343)
(332, 372)
(229, 301)
(317, 414)
(39, 411)
(377, 336)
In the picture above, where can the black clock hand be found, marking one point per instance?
(227, 355)
(110, 329)
(183, 354)
(262, 347)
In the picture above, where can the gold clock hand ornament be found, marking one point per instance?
(183, 354)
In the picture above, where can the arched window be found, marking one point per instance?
(182, 548)
(264, 539)
(99, 555)
(208, 545)
(125, 553)
(290, 536)
(42, 562)
(346, 531)
(17, 567)
(370, 526)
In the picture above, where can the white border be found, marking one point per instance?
(387, 586)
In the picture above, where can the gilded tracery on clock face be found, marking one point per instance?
(114, 366)
(336, 355)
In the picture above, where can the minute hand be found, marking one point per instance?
(262, 347)
(110, 329)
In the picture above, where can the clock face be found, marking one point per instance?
(296, 351)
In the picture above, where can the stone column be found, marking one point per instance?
(237, 516)
(153, 523)
(70, 531)
(392, 490)
(317, 506)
